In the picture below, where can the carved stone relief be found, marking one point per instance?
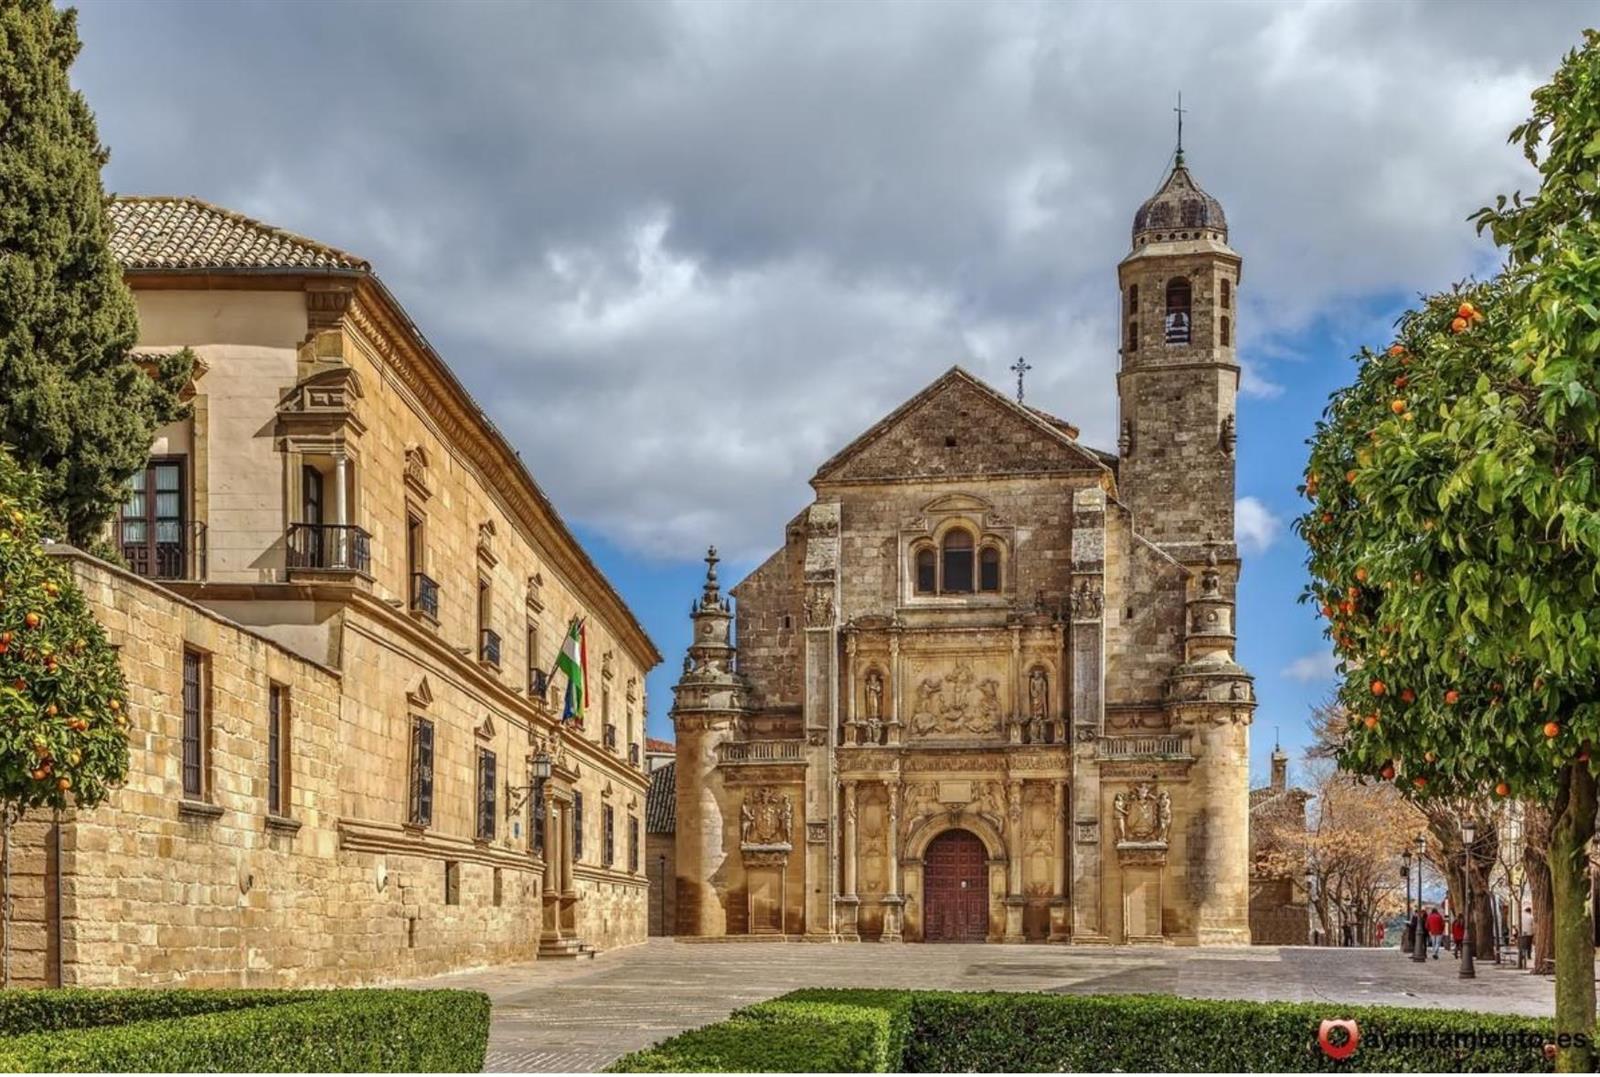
(957, 703)
(766, 817)
(1143, 814)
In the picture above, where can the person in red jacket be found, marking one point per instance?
(1435, 925)
(1458, 931)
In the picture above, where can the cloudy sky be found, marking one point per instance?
(683, 252)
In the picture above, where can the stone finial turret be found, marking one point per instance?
(712, 595)
(1280, 769)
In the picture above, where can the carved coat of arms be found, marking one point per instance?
(766, 818)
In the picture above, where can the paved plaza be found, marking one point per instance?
(556, 1016)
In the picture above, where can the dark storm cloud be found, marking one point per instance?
(683, 252)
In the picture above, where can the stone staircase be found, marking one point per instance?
(566, 949)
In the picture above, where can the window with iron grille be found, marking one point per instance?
(421, 772)
(577, 826)
(485, 795)
(610, 848)
(277, 749)
(633, 844)
(194, 725)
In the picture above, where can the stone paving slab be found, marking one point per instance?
(551, 1016)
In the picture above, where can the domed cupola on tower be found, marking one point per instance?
(1179, 211)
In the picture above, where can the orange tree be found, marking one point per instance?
(1454, 527)
(63, 726)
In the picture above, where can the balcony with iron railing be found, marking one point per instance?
(609, 736)
(178, 552)
(329, 548)
(425, 596)
(633, 753)
(489, 647)
(539, 685)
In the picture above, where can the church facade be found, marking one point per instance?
(986, 689)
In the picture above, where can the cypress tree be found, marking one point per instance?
(73, 403)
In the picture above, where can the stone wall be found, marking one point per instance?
(661, 867)
(215, 892)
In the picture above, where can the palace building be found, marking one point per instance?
(986, 689)
(342, 596)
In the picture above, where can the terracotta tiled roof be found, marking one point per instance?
(187, 233)
(661, 802)
(656, 744)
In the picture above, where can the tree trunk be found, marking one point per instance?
(1535, 840)
(1570, 831)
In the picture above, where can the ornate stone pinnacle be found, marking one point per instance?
(712, 597)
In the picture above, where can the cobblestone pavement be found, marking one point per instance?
(554, 1016)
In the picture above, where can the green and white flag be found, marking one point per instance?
(574, 662)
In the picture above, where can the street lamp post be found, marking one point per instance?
(1468, 971)
(1311, 882)
(1419, 944)
(1410, 929)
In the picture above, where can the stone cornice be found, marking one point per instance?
(371, 836)
(380, 319)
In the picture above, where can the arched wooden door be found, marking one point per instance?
(955, 886)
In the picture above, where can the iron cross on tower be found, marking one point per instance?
(1180, 110)
(1021, 366)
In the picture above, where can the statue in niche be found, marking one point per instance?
(871, 731)
(1143, 815)
(1038, 693)
(766, 818)
(874, 695)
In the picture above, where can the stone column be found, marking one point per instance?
(550, 895)
(894, 686)
(850, 716)
(341, 538)
(1015, 901)
(1087, 669)
(1018, 691)
(1060, 923)
(849, 903)
(893, 901)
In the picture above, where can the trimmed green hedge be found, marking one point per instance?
(945, 1032)
(244, 1031)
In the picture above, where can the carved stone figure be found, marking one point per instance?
(874, 695)
(819, 608)
(1038, 694)
(1087, 601)
(1230, 435)
(988, 716)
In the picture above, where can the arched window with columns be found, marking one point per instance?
(958, 568)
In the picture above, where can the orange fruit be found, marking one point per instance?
(1378, 688)
(1458, 325)
(1361, 574)
(1371, 721)
(1428, 757)
(31, 620)
(1397, 406)
(1452, 697)
(1401, 382)
(1387, 772)
(1502, 790)
(1408, 696)
(1397, 349)
(1552, 729)
(1420, 782)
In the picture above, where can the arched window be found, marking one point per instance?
(1227, 332)
(1133, 335)
(957, 563)
(927, 573)
(1227, 294)
(989, 569)
(1177, 323)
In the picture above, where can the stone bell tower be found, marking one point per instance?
(705, 714)
(1179, 374)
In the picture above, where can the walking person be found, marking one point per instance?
(1458, 931)
(1435, 925)
(1525, 933)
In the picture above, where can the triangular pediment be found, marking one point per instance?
(958, 427)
